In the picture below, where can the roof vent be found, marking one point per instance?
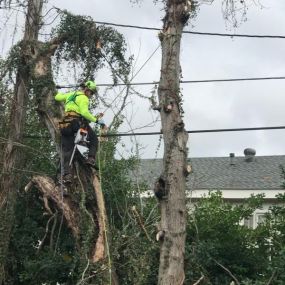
(232, 158)
(249, 154)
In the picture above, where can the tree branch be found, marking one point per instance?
(227, 270)
(200, 279)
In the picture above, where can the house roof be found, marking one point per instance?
(217, 173)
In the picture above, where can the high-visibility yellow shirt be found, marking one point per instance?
(80, 105)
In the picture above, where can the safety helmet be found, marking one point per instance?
(91, 85)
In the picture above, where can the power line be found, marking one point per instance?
(235, 79)
(187, 32)
(190, 132)
(198, 131)
(195, 33)
(185, 81)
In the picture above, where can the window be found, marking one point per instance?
(249, 222)
(253, 221)
(260, 218)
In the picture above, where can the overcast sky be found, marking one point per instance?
(206, 105)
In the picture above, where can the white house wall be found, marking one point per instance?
(235, 194)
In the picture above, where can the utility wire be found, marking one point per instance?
(184, 81)
(187, 32)
(199, 131)
(190, 132)
(195, 33)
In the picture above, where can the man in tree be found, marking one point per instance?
(77, 114)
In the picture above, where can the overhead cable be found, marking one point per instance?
(190, 132)
(183, 81)
(195, 33)
(198, 131)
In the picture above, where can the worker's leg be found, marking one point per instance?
(68, 144)
(93, 142)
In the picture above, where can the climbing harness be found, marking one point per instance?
(67, 119)
(72, 98)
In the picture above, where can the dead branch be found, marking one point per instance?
(52, 231)
(50, 190)
(139, 219)
(47, 205)
(228, 271)
(46, 233)
(271, 278)
(200, 279)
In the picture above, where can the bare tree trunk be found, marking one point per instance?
(8, 186)
(170, 187)
(90, 241)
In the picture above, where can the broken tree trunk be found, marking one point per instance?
(12, 157)
(72, 212)
(170, 187)
(84, 207)
(86, 215)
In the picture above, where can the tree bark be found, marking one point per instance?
(90, 241)
(170, 187)
(84, 212)
(12, 156)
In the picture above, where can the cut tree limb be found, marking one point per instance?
(47, 186)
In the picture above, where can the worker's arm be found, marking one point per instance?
(61, 96)
(83, 104)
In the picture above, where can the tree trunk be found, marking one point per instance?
(84, 208)
(12, 158)
(86, 219)
(170, 187)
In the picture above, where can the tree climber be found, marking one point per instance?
(77, 114)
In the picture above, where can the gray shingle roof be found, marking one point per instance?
(217, 173)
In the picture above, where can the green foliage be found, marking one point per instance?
(5, 101)
(30, 263)
(79, 38)
(40, 155)
(56, 259)
(15, 61)
(216, 238)
(134, 252)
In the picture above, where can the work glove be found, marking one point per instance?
(101, 122)
(99, 115)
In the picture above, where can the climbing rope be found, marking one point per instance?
(61, 193)
(61, 171)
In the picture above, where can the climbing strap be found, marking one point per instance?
(72, 98)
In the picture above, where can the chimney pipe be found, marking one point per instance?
(232, 158)
(249, 154)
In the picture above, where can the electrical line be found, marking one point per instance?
(190, 132)
(199, 131)
(187, 32)
(184, 81)
(195, 33)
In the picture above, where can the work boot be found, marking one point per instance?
(91, 161)
(67, 178)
